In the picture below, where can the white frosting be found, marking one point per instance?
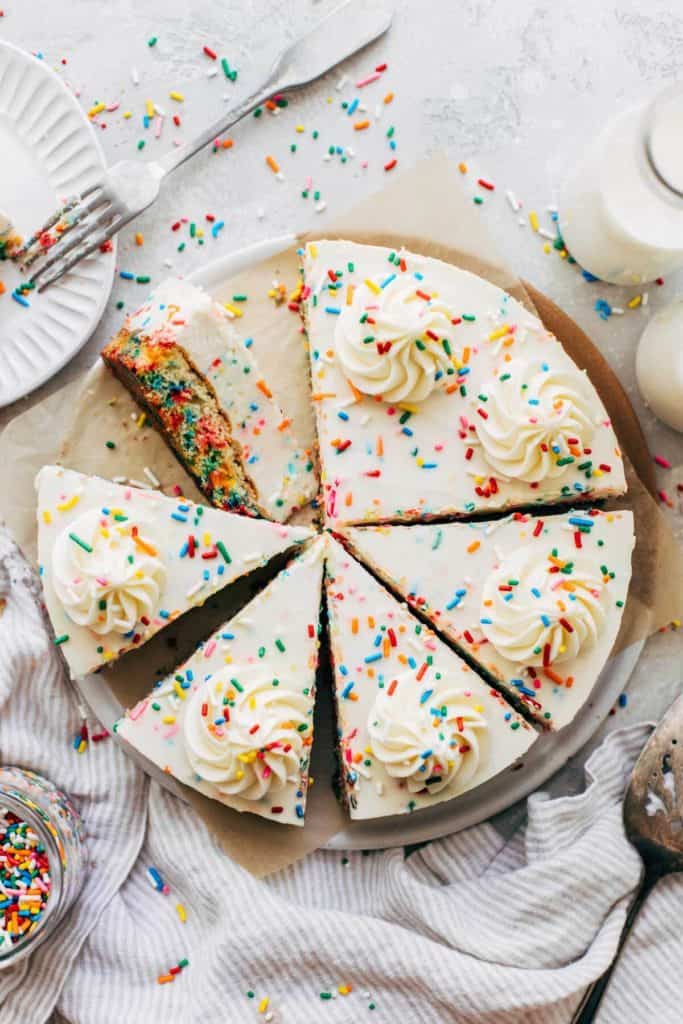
(406, 356)
(542, 616)
(533, 420)
(246, 742)
(5, 225)
(427, 743)
(109, 580)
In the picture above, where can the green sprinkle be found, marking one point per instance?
(152, 42)
(61, 639)
(119, 304)
(279, 644)
(239, 298)
(325, 995)
(81, 543)
(238, 686)
(261, 652)
(226, 70)
(469, 318)
(143, 279)
(478, 201)
(184, 962)
(141, 144)
(110, 444)
(224, 551)
(351, 267)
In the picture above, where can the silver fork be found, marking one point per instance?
(89, 220)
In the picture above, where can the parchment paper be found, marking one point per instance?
(426, 210)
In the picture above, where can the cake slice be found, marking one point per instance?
(438, 394)
(118, 563)
(235, 722)
(416, 725)
(181, 360)
(536, 602)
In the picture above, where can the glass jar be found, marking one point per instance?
(50, 828)
(621, 208)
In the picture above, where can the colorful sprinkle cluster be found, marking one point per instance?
(24, 879)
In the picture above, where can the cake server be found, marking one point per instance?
(87, 221)
(653, 819)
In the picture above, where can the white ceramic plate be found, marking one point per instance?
(546, 757)
(49, 151)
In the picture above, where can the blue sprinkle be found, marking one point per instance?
(535, 591)
(299, 811)
(126, 275)
(353, 106)
(603, 309)
(20, 299)
(388, 280)
(343, 415)
(343, 670)
(227, 636)
(347, 690)
(334, 310)
(407, 431)
(425, 695)
(587, 276)
(545, 620)
(178, 517)
(372, 657)
(163, 614)
(412, 662)
(623, 700)
(218, 226)
(248, 342)
(580, 521)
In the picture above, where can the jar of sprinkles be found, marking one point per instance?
(42, 860)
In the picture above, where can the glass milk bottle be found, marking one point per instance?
(621, 208)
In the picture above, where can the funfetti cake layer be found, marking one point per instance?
(236, 720)
(416, 725)
(439, 394)
(535, 601)
(181, 359)
(118, 563)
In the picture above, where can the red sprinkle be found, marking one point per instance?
(486, 184)
(390, 166)
(209, 52)
(538, 528)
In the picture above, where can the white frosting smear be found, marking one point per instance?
(393, 343)
(536, 614)
(426, 738)
(535, 422)
(106, 574)
(244, 734)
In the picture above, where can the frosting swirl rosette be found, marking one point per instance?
(246, 735)
(393, 343)
(540, 609)
(106, 574)
(535, 422)
(426, 742)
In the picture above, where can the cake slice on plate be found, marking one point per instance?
(416, 725)
(536, 602)
(181, 360)
(118, 563)
(438, 394)
(235, 721)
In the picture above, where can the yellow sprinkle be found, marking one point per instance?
(233, 309)
(181, 912)
(533, 220)
(500, 332)
(313, 250)
(127, 114)
(299, 128)
(462, 167)
(344, 990)
(149, 108)
(634, 302)
(546, 247)
(676, 623)
(263, 1005)
(47, 518)
(66, 506)
(375, 288)
(141, 420)
(168, 719)
(177, 96)
(97, 109)
(349, 295)
(180, 693)
(206, 540)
